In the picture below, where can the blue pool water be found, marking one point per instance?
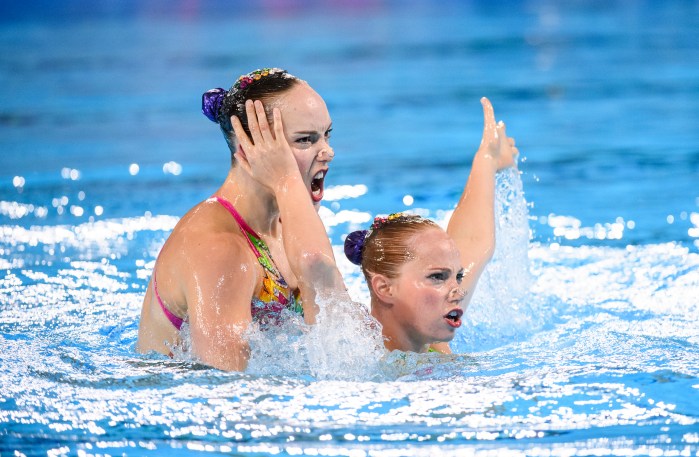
(582, 338)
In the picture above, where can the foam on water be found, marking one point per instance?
(345, 343)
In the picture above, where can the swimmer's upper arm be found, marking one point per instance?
(219, 292)
(472, 225)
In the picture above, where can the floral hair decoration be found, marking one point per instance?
(245, 80)
(212, 100)
(380, 222)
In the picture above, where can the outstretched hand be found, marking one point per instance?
(495, 143)
(267, 156)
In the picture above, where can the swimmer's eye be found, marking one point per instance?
(459, 277)
(327, 133)
(439, 276)
(308, 139)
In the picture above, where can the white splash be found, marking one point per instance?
(345, 343)
(500, 310)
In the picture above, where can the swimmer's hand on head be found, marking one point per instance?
(267, 156)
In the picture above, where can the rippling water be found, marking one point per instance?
(582, 338)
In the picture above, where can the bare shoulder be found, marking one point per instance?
(207, 245)
(214, 274)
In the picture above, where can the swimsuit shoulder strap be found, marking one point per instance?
(275, 293)
(244, 227)
(257, 245)
(175, 320)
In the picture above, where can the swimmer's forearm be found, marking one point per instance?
(306, 242)
(473, 223)
(303, 232)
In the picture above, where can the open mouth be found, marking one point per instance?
(317, 186)
(453, 317)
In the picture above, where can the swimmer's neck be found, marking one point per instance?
(255, 203)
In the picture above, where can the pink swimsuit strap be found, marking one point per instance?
(275, 294)
(241, 222)
(175, 320)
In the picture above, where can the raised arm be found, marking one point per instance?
(268, 157)
(472, 225)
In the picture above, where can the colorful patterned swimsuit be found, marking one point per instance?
(274, 295)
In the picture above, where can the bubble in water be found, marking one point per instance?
(70, 173)
(76, 211)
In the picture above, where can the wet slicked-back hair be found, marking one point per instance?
(387, 246)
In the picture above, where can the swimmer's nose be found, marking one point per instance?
(326, 154)
(458, 293)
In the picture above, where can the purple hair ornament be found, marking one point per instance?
(354, 243)
(211, 102)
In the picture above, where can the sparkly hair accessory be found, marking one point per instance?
(380, 222)
(354, 243)
(256, 75)
(212, 101)
(245, 80)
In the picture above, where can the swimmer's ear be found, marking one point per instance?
(383, 288)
